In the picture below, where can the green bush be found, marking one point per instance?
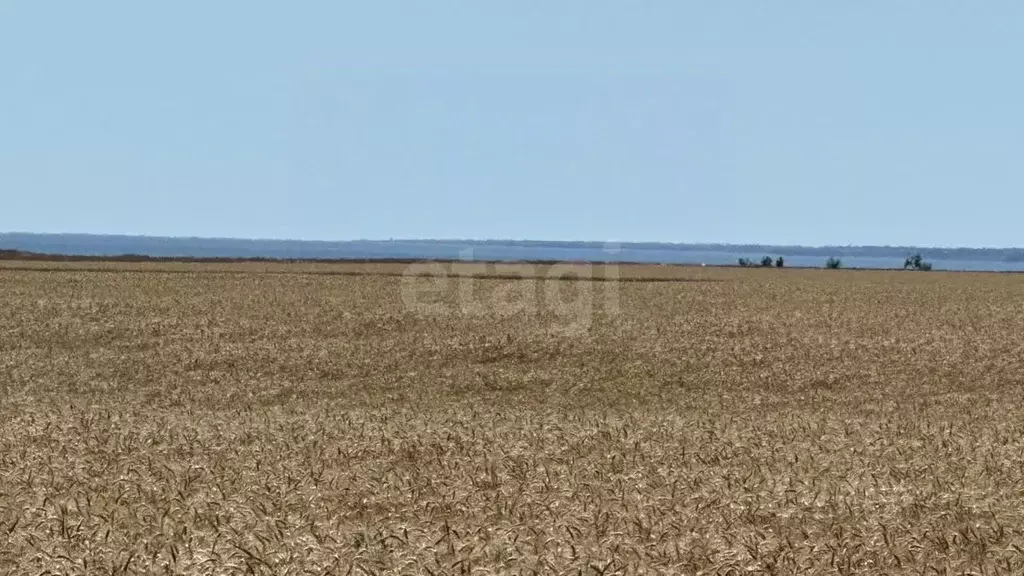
(916, 262)
(779, 262)
(833, 263)
(766, 261)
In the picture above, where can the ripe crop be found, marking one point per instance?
(292, 419)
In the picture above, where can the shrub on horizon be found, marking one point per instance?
(916, 262)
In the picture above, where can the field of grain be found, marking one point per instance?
(332, 419)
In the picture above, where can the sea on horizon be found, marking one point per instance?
(496, 250)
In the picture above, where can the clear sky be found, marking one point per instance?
(797, 122)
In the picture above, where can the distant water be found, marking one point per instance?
(795, 256)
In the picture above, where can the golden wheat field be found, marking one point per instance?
(349, 419)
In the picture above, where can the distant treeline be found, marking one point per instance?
(52, 257)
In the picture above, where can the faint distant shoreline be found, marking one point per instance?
(124, 248)
(132, 258)
(15, 256)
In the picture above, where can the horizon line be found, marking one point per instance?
(509, 240)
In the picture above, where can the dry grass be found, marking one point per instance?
(221, 419)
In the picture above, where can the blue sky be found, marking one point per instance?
(797, 122)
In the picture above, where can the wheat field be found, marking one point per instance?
(349, 419)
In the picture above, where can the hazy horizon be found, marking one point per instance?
(4, 234)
